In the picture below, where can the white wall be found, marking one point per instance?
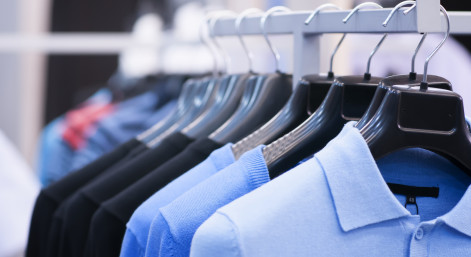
(34, 19)
(22, 75)
(10, 92)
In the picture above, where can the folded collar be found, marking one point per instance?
(459, 217)
(361, 196)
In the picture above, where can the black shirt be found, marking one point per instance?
(79, 209)
(52, 196)
(109, 222)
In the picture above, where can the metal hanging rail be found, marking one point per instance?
(366, 21)
(426, 17)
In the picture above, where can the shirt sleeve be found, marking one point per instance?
(154, 239)
(130, 246)
(162, 243)
(167, 245)
(217, 236)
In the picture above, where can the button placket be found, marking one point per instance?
(419, 242)
(419, 234)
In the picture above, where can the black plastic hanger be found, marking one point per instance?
(347, 99)
(202, 101)
(263, 97)
(419, 116)
(190, 88)
(229, 92)
(307, 97)
(412, 78)
(433, 81)
(344, 102)
(411, 116)
(227, 98)
(189, 104)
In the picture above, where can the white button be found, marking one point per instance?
(419, 234)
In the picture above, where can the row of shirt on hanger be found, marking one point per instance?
(195, 197)
(106, 119)
(244, 166)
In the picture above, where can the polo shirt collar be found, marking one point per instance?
(458, 217)
(361, 196)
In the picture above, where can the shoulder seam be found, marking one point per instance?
(236, 233)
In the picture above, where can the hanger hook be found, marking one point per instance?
(412, 74)
(262, 26)
(208, 44)
(238, 22)
(311, 17)
(212, 23)
(318, 9)
(358, 7)
(394, 10)
(424, 85)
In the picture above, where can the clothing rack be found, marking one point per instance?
(426, 17)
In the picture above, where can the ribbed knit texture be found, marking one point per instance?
(256, 168)
(172, 230)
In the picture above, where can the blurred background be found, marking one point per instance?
(56, 54)
(38, 83)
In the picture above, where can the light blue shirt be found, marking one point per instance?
(338, 204)
(135, 239)
(172, 230)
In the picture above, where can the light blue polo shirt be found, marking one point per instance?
(135, 239)
(173, 228)
(338, 204)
